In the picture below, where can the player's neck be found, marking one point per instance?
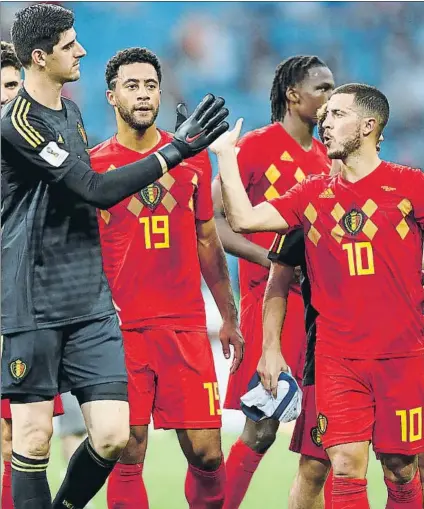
(298, 130)
(43, 90)
(360, 164)
(139, 141)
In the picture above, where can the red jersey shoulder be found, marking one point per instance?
(255, 137)
(401, 169)
(100, 154)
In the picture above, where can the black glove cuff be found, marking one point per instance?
(171, 154)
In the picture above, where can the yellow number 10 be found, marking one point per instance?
(411, 428)
(354, 258)
(156, 225)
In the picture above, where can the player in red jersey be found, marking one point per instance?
(11, 82)
(271, 160)
(170, 227)
(363, 235)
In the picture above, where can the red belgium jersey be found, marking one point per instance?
(364, 252)
(270, 163)
(149, 241)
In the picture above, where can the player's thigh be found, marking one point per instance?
(344, 400)
(259, 436)
(6, 439)
(140, 360)
(399, 399)
(72, 422)
(307, 438)
(30, 364)
(93, 354)
(201, 447)
(187, 395)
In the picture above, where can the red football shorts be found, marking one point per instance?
(57, 407)
(293, 339)
(371, 400)
(171, 375)
(306, 438)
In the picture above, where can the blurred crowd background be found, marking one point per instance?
(232, 49)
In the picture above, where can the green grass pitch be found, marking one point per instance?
(165, 470)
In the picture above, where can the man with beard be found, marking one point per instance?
(156, 245)
(363, 241)
(60, 328)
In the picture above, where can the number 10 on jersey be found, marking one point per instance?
(360, 258)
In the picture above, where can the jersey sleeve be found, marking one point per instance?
(288, 249)
(203, 207)
(289, 205)
(417, 194)
(31, 139)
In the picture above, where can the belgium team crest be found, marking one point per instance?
(322, 423)
(151, 195)
(82, 133)
(18, 369)
(353, 221)
(316, 437)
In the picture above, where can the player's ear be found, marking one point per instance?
(368, 126)
(292, 95)
(39, 57)
(110, 96)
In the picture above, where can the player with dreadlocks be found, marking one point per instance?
(272, 159)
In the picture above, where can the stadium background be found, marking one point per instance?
(232, 49)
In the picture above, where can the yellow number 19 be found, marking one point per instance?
(213, 393)
(156, 225)
(354, 258)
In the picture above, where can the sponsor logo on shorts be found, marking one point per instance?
(353, 221)
(322, 423)
(18, 369)
(316, 437)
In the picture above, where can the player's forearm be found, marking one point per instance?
(238, 209)
(275, 305)
(107, 189)
(215, 273)
(237, 245)
(273, 316)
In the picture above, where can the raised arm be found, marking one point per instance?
(241, 216)
(56, 165)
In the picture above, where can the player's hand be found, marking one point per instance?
(182, 115)
(230, 334)
(202, 127)
(270, 365)
(228, 140)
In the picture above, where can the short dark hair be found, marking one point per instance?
(8, 56)
(287, 74)
(130, 56)
(369, 98)
(39, 26)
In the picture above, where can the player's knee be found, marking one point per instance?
(6, 439)
(348, 462)
(399, 468)
(260, 438)
(135, 449)
(206, 455)
(33, 440)
(109, 440)
(313, 472)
